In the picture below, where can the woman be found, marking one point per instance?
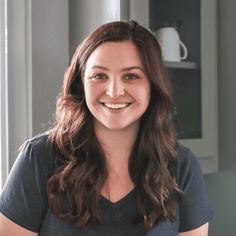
(111, 164)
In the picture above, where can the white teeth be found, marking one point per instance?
(116, 105)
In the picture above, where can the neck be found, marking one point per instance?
(117, 144)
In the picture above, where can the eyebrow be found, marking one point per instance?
(133, 68)
(99, 67)
(124, 69)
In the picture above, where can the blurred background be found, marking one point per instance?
(38, 39)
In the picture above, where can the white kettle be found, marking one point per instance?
(171, 44)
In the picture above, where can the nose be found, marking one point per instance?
(115, 88)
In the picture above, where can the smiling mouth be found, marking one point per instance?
(116, 106)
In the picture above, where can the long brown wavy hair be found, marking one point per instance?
(74, 189)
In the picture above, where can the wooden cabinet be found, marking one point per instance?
(194, 79)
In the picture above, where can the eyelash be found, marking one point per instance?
(99, 76)
(131, 77)
(102, 76)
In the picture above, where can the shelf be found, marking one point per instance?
(181, 65)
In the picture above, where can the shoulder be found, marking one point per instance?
(187, 165)
(39, 143)
(185, 157)
(194, 207)
(24, 196)
(38, 152)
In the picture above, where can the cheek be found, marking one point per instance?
(91, 95)
(88, 94)
(146, 93)
(88, 90)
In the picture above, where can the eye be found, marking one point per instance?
(99, 76)
(131, 77)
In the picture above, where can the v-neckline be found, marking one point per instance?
(121, 200)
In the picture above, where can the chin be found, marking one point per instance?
(122, 127)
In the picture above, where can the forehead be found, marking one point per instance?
(122, 53)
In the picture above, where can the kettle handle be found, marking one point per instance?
(185, 50)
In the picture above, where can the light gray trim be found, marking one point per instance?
(206, 148)
(4, 139)
(139, 11)
(124, 9)
(28, 52)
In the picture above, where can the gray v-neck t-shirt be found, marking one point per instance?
(24, 199)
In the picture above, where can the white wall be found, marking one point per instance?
(38, 54)
(87, 15)
(50, 57)
(19, 124)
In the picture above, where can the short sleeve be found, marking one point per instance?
(23, 199)
(194, 208)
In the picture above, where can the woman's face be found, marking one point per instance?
(117, 90)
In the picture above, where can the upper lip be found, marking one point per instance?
(115, 104)
(116, 101)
